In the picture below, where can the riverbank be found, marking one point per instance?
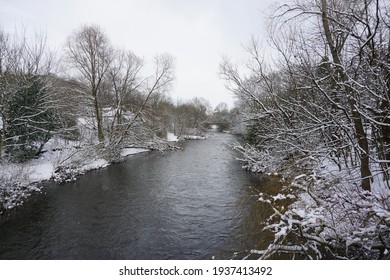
(330, 216)
(61, 161)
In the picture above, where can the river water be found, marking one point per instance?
(185, 204)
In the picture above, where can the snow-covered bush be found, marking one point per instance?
(255, 160)
(13, 189)
(328, 219)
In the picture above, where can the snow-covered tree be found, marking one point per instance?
(31, 119)
(155, 85)
(124, 81)
(322, 106)
(90, 54)
(27, 103)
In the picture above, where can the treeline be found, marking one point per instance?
(328, 94)
(320, 114)
(92, 93)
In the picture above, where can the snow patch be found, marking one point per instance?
(96, 164)
(193, 137)
(41, 171)
(172, 137)
(131, 151)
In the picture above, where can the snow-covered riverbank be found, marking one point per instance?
(60, 160)
(328, 213)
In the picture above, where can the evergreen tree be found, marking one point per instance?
(30, 119)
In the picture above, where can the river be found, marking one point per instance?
(184, 204)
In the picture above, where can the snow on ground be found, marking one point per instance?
(131, 151)
(40, 171)
(192, 137)
(172, 137)
(96, 164)
(379, 185)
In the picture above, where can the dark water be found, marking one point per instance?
(186, 204)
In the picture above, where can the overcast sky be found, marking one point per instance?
(196, 32)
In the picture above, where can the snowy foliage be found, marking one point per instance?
(327, 219)
(255, 160)
(13, 189)
(319, 116)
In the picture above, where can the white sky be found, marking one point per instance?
(196, 32)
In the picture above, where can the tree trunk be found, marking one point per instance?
(99, 119)
(365, 172)
(385, 119)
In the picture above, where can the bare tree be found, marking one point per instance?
(124, 80)
(341, 62)
(201, 110)
(90, 54)
(336, 46)
(157, 84)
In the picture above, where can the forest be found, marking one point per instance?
(316, 115)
